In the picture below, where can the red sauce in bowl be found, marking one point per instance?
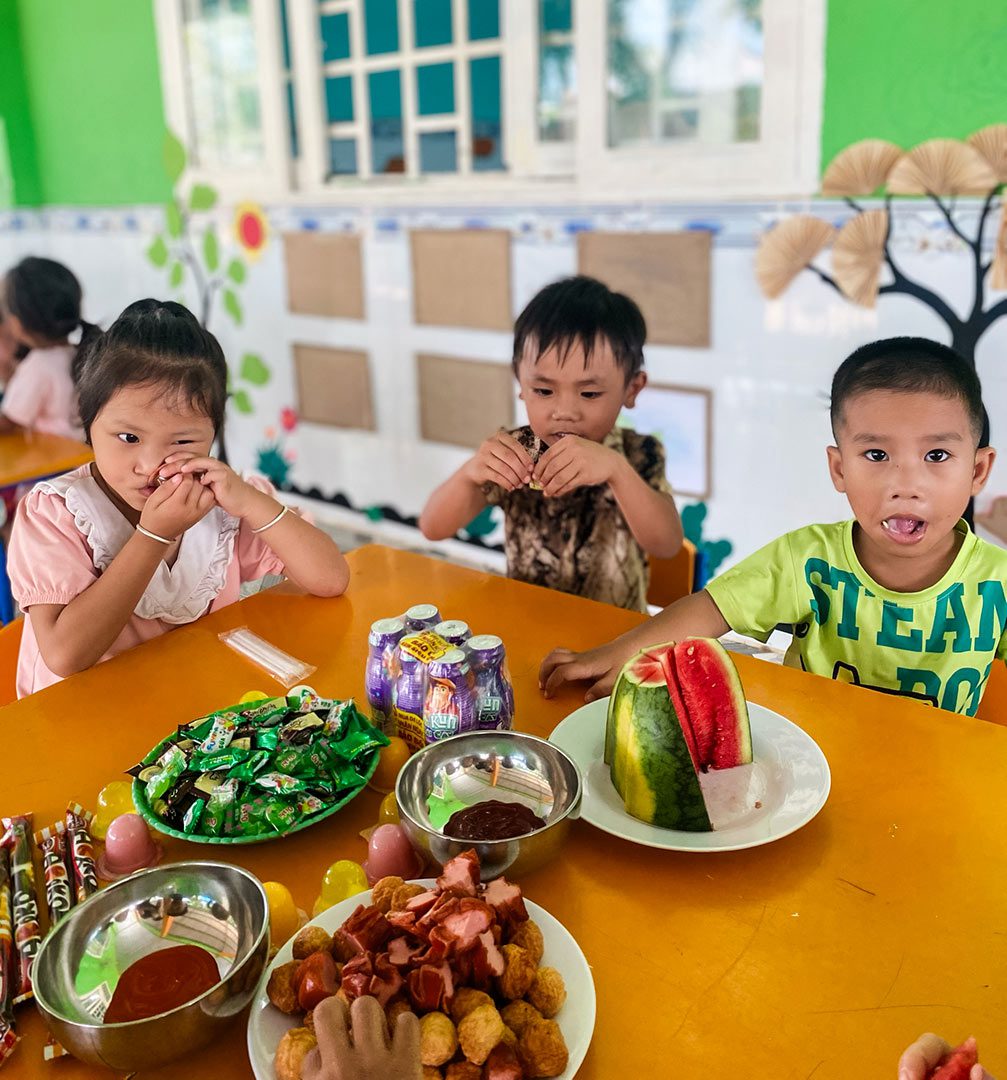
(162, 981)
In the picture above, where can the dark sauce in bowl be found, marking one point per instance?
(492, 820)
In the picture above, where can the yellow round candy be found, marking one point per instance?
(283, 917)
(114, 799)
(393, 757)
(343, 879)
(252, 695)
(388, 811)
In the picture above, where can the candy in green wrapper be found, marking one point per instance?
(301, 730)
(245, 771)
(339, 717)
(282, 816)
(268, 739)
(225, 759)
(191, 820)
(217, 807)
(172, 766)
(357, 742)
(309, 804)
(280, 782)
(312, 759)
(220, 734)
(250, 818)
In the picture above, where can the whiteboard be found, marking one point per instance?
(680, 416)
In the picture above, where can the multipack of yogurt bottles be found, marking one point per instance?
(429, 679)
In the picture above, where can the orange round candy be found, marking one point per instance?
(388, 811)
(393, 757)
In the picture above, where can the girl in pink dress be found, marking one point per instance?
(155, 533)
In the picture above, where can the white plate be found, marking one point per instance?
(783, 789)
(266, 1025)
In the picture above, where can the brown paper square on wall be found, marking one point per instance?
(667, 274)
(461, 277)
(324, 274)
(463, 402)
(334, 387)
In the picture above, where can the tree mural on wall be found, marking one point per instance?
(939, 169)
(191, 250)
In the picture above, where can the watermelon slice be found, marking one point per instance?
(958, 1064)
(677, 710)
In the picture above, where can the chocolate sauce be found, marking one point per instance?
(492, 820)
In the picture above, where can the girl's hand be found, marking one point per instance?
(176, 506)
(232, 494)
(920, 1059)
(171, 466)
(369, 1055)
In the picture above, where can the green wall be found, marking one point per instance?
(910, 70)
(94, 96)
(14, 111)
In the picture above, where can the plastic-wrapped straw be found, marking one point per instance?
(287, 670)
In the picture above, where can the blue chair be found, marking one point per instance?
(6, 600)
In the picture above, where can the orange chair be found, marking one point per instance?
(993, 706)
(671, 579)
(10, 644)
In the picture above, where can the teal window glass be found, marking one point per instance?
(343, 157)
(339, 98)
(335, 37)
(381, 26)
(487, 130)
(387, 146)
(292, 119)
(557, 93)
(286, 35)
(435, 89)
(432, 19)
(484, 19)
(556, 15)
(438, 152)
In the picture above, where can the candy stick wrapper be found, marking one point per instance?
(8, 961)
(58, 896)
(27, 934)
(80, 852)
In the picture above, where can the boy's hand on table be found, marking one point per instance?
(920, 1059)
(500, 460)
(369, 1056)
(599, 666)
(572, 463)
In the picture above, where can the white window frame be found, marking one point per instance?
(272, 181)
(783, 162)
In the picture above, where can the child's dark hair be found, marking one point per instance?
(581, 309)
(45, 297)
(909, 365)
(154, 343)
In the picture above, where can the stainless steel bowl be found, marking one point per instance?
(469, 769)
(223, 908)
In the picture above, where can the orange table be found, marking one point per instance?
(820, 956)
(29, 455)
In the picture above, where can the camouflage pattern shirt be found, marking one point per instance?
(580, 542)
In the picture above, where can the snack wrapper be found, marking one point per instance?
(80, 852)
(8, 958)
(24, 901)
(51, 843)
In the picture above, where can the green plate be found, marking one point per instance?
(148, 815)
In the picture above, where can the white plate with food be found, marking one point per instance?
(267, 1025)
(786, 785)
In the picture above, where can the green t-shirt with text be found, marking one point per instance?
(937, 645)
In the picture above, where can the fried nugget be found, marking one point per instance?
(395, 1010)
(309, 1020)
(519, 1014)
(504, 1064)
(529, 937)
(465, 1000)
(294, 1047)
(430, 1073)
(311, 939)
(438, 1039)
(509, 1038)
(280, 989)
(463, 1070)
(403, 894)
(542, 1049)
(547, 992)
(381, 894)
(479, 1032)
(518, 974)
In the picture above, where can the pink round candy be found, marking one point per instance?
(128, 847)
(389, 853)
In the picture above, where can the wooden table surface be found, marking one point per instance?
(821, 955)
(30, 455)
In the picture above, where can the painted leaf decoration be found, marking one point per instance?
(236, 271)
(174, 157)
(173, 219)
(243, 403)
(254, 369)
(232, 305)
(177, 275)
(158, 251)
(202, 197)
(211, 249)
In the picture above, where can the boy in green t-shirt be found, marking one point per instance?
(904, 598)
